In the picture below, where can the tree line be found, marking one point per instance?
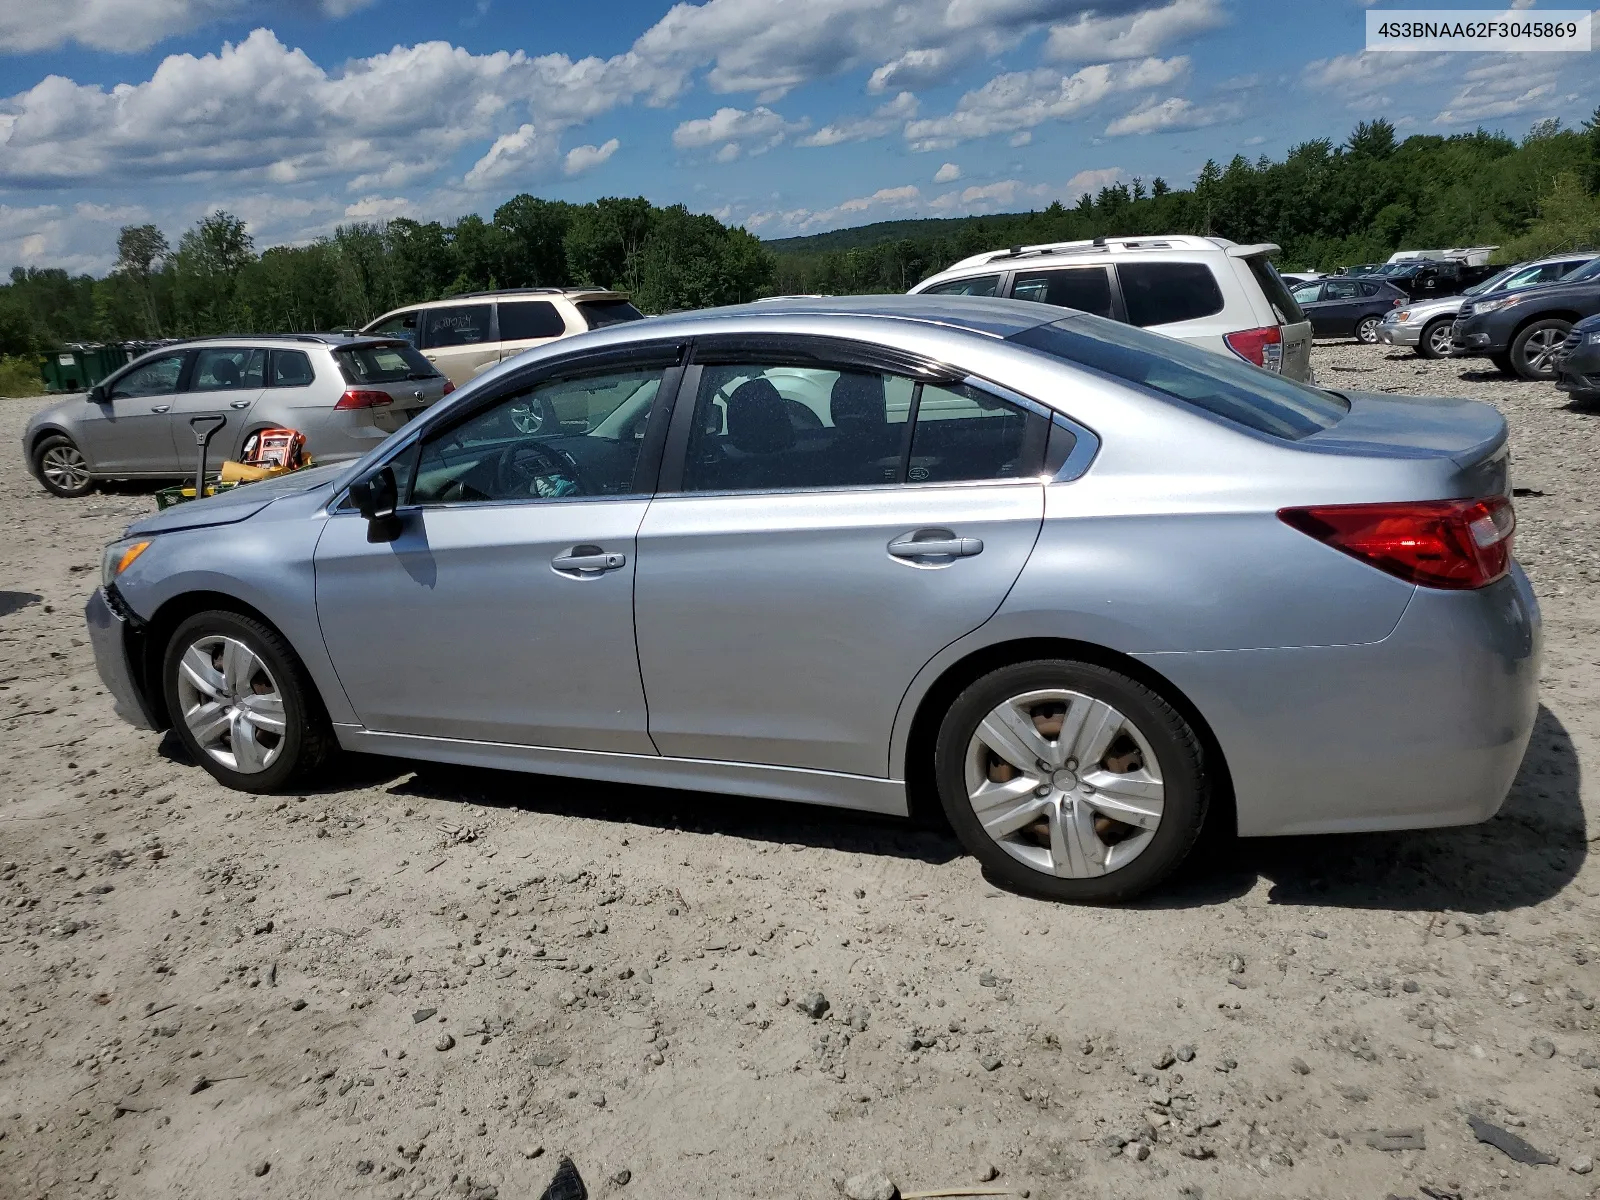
(1326, 205)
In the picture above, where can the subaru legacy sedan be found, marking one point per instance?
(1082, 586)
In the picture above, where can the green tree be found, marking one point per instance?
(206, 272)
(139, 249)
(1372, 139)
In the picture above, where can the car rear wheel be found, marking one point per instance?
(1534, 349)
(1071, 781)
(1435, 339)
(242, 704)
(1367, 331)
(61, 466)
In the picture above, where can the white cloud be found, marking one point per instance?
(377, 208)
(886, 118)
(948, 173)
(586, 158)
(1025, 138)
(126, 25)
(1095, 38)
(1175, 112)
(79, 239)
(1090, 181)
(524, 151)
(1023, 99)
(735, 131)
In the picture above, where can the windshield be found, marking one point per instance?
(1225, 387)
(385, 362)
(1589, 270)
(1493, 283)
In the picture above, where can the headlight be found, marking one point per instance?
(1483, 306)
(1399, 318)
(118, 557)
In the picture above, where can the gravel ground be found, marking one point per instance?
(440, 982)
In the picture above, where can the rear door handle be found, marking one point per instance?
(240, 404)
(159, 407)
(935, 547)
(588, 560)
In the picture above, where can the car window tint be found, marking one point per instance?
(558, 439)
(962, 433)
(1308, 294)
(158, 377)
(383, 363)
(1087, 289)
(227, 369)
(1275, 290)
(1369, 289)
(1344, 289)
(978, 285)
(455, 325)
(759, 427)
(401, 325)
(290, 368)
(1203, 379)
(597, 314)
(521, 319)
(1161, 293)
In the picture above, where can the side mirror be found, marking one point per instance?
(376, 497)
(97, 394)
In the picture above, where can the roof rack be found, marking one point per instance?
(528, 291)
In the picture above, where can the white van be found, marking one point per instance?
(1209, 291)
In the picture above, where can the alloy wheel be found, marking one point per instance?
(231, 703)
(1367, 331)
(1439, 340)
(1064, 783)
(65, 466)
(527, 416)
(1540, 349)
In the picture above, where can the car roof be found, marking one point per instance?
(986, 315)
(570, 293)
(333, 341)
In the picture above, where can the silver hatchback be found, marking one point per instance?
(1080, 586)
(346, 394)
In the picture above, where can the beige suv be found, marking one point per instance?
(467, 334)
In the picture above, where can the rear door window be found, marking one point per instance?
(456, 325)
(1087, 289)
(1165, 293)
(978, 285)
(290, 368)
(524, 319)
(962, 433)
(597, 314)
(224, 369)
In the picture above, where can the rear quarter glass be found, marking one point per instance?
(1168, 293)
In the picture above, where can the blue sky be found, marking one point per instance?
(786, 116)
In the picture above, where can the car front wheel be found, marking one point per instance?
(61, 466)
(1367, 331)
(1071, 781)
(1534, 349)
(242, 703)
(1435, 341)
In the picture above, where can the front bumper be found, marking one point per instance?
(1395, 334)
(1579, 371)
(114, 638)
(1472, 338)
(1425, 728)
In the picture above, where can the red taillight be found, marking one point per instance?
(1264, 346)
(1436, 543)
(448, 388)
(364, 398)
(1398, 302)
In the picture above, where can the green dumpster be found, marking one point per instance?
(78, 366)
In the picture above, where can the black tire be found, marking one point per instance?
(1367, 330)
(1533, 350)
(1435, 331)
(1185, 776)
(307, 740)
(1502, 363)
(61, 467)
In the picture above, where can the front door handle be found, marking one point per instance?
(938, 543)
(588, 560)
(159, 407)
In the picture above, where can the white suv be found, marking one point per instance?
(1205, 290)
(467, 334)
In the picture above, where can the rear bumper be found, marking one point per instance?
(1425, 728)
(113, 638)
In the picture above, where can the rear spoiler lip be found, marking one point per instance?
(1253, 251)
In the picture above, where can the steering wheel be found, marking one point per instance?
(537, 469)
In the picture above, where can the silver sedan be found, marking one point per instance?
(1079, 586)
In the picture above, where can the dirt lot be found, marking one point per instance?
(438, 983)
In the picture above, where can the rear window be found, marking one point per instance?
(386, 362)
(597, 314)
(978, 285)
(523, 319)
(1087, 289)
(1274, 289)
(1164, 293)
(1232, 390)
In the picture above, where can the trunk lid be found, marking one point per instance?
(1469, 433)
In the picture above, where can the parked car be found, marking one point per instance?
(1361, 269)
(1348, 307)
(1300, 278)
(1423, 280)
(1207, 291)
(465, 334)
(1522, 332)
(1082, 585)
(1425, 325)
(346, 394)
(1578, 364)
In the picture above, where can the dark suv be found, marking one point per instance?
(1578, 364)
(1523, 332)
